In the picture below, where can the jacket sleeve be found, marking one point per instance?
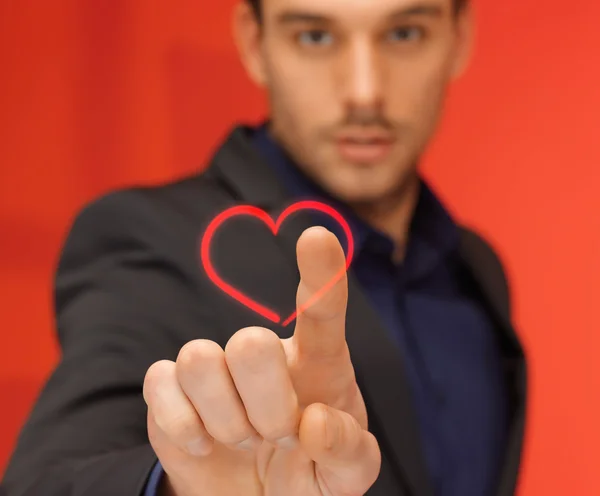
(120, 306)
(154, 480)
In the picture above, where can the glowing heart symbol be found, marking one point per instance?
(274, 226)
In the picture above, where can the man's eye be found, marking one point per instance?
(406, 34)
(315, 37)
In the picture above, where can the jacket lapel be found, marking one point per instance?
(380, 371)
(377, 361)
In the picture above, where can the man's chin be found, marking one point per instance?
(358, 195)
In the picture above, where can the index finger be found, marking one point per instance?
(322, 294)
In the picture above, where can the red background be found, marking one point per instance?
(100, 94)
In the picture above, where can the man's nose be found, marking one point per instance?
(363, 77)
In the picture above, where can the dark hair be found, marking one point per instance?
(256, 6)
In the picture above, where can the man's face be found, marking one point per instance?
(356, 86)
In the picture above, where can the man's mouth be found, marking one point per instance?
(364, 147)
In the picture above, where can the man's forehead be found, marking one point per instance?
(337, 8)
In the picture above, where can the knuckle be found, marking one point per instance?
(158, 370)
(197, 351)
(155, 374)
(251, 339)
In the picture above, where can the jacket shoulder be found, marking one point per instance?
(157, 227)
(145, 215)
(194, 193)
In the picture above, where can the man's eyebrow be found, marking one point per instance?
(424, 9)
(294, 16)
(298, 16)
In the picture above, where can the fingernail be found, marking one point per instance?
(288, 442)
(250, 444)
(199, 447)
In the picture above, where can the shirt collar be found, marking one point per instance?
(433, 233)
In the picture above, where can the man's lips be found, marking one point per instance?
(364, 147)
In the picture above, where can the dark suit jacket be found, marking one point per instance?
(130, 291)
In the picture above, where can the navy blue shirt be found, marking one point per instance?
(447, 340)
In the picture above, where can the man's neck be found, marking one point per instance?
(391, 215)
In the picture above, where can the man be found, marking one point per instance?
(404, 377)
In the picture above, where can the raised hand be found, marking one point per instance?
(267, 416)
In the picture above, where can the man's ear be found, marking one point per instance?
(247, 37)
(465, 39)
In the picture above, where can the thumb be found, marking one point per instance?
(347, 457)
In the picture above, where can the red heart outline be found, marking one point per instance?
(274, 226)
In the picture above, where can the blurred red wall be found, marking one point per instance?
(96, 95)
